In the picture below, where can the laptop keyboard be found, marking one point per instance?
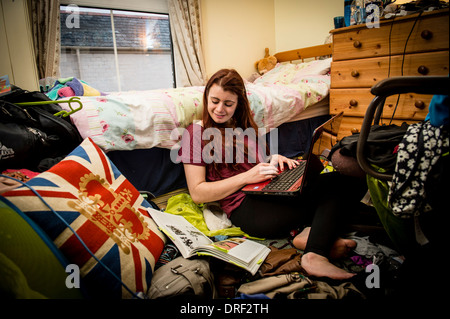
(286, 178)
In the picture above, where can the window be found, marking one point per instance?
(115, 50)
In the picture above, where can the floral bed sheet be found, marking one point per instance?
(155, 118)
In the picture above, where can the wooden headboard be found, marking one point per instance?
(305, 53)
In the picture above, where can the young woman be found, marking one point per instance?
(211, 176)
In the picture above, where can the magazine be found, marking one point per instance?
(242, 252)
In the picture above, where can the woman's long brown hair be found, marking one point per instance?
(230, 80)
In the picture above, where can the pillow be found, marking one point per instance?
(288, 73)
(106, 211)
(278, 73)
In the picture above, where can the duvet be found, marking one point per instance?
(155, 118)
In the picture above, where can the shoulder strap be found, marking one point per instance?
(190, 275)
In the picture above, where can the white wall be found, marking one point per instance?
(235, 33)
(303, 23)
(16, 47)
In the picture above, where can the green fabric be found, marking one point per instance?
(30, 265)
(400, 231)
(14, 284)
(182, 204)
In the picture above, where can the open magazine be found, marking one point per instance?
(242, 252)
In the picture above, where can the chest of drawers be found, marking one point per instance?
(415, 45)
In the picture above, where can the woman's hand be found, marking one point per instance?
(280, 160)
(202, 191)
(264, 171)
(261, 172)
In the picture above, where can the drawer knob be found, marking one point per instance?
(426, 34)
(354, 130)
(355, 73)
(419, 104)
(353, 102)
(423, 70)
(357, 44)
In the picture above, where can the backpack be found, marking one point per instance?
(183, 277)
(381, 145)
(420, 181)
(31, 136)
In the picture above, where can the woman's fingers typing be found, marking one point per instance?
(268, 169)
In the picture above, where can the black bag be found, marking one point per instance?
(31, 136)
(380, 146)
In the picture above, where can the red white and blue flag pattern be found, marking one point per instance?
(106, 211)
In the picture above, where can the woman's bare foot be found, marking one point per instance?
(301, 239)
(319, 266)
(341, 246)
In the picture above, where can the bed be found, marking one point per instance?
(138, 129)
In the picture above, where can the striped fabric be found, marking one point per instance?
(88, 192)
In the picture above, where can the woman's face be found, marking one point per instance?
(221, 104)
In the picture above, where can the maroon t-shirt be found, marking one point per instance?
(192, 146)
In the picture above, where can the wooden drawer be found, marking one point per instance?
(429, 34)
(350, 125)
(367, 72)
(354, 102)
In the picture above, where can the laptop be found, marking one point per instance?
(290, 182)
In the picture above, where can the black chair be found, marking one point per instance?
(433, 85)
(419, 258)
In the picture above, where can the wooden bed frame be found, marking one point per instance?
(305, 53)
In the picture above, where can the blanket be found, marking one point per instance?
(155, 118)
(67, 87)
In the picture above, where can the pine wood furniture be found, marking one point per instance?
(363, 56)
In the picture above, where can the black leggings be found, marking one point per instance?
(326, 205)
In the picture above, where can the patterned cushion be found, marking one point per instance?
(88, 192)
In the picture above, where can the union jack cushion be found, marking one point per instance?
(87, 192)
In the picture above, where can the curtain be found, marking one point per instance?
(45, 21)
(185, 26)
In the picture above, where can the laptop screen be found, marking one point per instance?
(325, 136)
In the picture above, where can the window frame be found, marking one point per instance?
(96, 5)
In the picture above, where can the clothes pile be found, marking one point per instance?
(60, 88)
